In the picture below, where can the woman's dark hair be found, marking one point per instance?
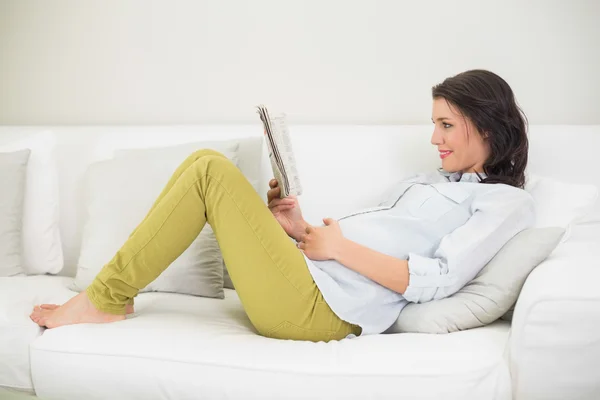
(489, 103)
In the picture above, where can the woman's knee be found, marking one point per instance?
(210, 161)
(203, 153)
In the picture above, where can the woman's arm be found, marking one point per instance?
(388, 271)
(497, 216)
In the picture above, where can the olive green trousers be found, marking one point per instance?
(269, 272)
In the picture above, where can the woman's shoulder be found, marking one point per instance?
(499, 191)
(500, 196)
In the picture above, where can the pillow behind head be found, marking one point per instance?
(119, 193)
(560, 204)
(490, 295)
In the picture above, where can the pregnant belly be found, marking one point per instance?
(390, 235)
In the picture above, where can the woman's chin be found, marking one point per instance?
(448, 167)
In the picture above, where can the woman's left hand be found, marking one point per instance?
(322, 243)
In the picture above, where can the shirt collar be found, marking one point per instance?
(462, 177)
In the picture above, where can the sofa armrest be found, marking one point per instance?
(555, 336)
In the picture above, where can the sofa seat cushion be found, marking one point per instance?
(179, 346)
(18, 294)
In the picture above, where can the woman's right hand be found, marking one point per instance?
(286, 211)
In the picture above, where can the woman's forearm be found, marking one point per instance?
(386, 270)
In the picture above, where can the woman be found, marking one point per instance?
(428, 237)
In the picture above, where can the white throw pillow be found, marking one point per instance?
(42, 246)
(118, 194)
(560, 203)
(13, 170)
(248, 153)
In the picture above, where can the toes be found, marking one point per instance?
(35, 315)
(49, 306)
(43, 320)
(38, 319)
(41, 316)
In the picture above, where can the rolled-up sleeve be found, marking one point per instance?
(497, 216)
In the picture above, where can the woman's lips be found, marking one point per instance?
(444, 154)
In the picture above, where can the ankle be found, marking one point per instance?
(114, 310)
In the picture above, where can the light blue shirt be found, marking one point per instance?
(448, 227)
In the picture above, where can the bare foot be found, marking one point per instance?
(128, 308)
(78, 310)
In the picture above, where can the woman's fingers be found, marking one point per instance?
(281, 208)
(273, 194)
(277, 202)
(274, 204)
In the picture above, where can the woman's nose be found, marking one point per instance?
(436, 138)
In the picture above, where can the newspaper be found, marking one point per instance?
(280, 150)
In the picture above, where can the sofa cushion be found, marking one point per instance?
(18, 295)
(178, 346)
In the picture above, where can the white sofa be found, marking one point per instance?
(184, 347)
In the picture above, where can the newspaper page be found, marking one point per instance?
(281, 154)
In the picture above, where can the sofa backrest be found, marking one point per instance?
(341, 167)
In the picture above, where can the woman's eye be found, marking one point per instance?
(447, 125)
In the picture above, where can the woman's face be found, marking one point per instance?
(461, 146)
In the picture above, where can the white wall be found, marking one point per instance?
(322, 61)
